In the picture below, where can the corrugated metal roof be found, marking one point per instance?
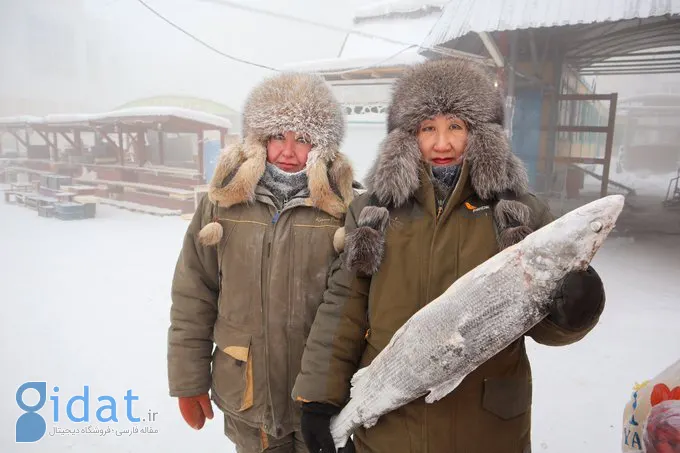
(463, 16)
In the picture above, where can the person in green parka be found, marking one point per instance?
(254, 262)
(445, 194)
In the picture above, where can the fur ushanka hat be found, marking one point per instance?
(443, 87)
(296, 102)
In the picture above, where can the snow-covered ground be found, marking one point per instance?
(87, 303)
(643, 182)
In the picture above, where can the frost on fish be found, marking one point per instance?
(482, 313)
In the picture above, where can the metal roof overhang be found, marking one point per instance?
(599, 48)
(166, 123)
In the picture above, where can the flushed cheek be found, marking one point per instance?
(302, 155)
(425, 148)
(460, 145)
(273, 153)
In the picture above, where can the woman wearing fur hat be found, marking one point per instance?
(445, 194)
(254, 263)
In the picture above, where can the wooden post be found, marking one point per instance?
(608, 145)
(52, 147)
(140, 148)
(19, 139)
(223, 138)
(553, 118)
(68, 139)
(510, 91)
(78, 143)
(201, 136)
(161, 146)
(121, 146)
(55, 140)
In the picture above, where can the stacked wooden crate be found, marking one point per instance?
(69, 211)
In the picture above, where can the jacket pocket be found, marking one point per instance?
(241, 259)
(233, 381)
(507, 397)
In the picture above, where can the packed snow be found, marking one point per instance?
(87, 303)
(385, 8)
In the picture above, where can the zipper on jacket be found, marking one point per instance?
(440, 205)
(265, 321)
(265, 310)
(265, 305)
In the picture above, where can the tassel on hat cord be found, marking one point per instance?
(211, 234)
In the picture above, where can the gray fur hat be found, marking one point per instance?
(296, 102)
(445, 87)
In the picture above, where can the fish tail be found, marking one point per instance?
(344, 424)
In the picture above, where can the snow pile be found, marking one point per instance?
(387, 8)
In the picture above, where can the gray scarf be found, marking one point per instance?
(283, 185)
(444, 179)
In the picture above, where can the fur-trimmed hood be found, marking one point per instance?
(450, 87)
(296, 102)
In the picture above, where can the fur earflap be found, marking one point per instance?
(237, 173)
(321, 192)
(393, 179)
(493, 167)
(342, 174)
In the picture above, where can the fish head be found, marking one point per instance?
(571, 241)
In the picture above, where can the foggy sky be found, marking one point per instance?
(75, 56)
(91, 55)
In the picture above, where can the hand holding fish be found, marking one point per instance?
(578, 299)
